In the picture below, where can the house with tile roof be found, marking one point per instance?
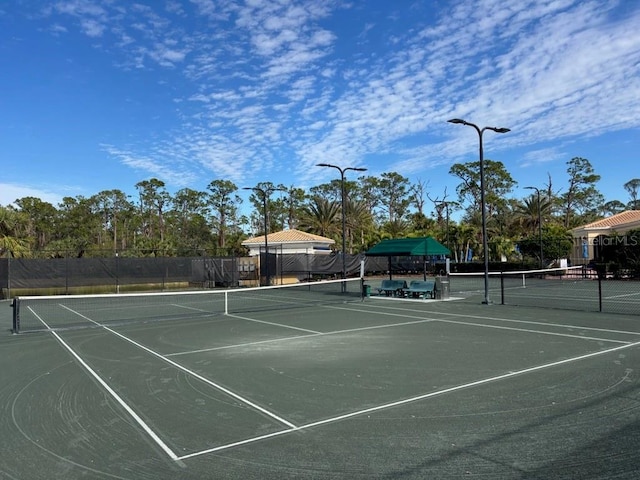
(587, 239)
(290, 241)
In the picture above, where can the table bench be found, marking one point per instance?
(418, 288)
(392, 287)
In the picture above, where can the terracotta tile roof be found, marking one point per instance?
(617, 220)
(289, 236)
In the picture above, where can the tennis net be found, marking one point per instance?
(540, 287)
(34, 313)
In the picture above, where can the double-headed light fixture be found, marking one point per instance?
(342, 201)
(265, 192)
(485, 243)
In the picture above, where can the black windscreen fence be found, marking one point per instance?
(207, 272)
(63, 273)
(76, 275)
(4, 273)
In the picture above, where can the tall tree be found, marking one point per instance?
(79, 228)
(613, 207)
(276, 207)
(42, 220)
(224, 202)
(497, 180)
(633, 187)
(154, 200)
(294, 202)
(13, 225)
(189, 221)
(417, 192)
(393, 197)
(581, 194)
(114, 207)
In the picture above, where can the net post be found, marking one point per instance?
(599, 294)
(15, 304)
(226, 302)
(501, 288)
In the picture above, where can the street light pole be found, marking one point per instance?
(342, 201)
(485, 243)
(265, 192)
(539, 225)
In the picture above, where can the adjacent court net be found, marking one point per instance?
(77, 311)
(552, 287)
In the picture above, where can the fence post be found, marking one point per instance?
(9, 275)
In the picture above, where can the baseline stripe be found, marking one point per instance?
(410, 400)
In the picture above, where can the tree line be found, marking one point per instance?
(191, 222)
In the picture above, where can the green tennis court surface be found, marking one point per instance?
(319, 386)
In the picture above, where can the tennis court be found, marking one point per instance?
(315, 382)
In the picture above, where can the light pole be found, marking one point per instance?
(342, 199)
(485, 243)
(539, 225)
(265, 196)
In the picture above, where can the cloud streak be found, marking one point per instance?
(272, 88)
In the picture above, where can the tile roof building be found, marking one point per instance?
(290, 241)
(587, 238)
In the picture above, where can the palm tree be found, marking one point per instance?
(358, 221)
(13, 226)
(321, 217)
(463, 237)
(395, 228)
(527, 212)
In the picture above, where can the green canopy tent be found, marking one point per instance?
(409, 247)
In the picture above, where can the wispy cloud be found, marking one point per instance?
(161, 166)
(10, 192)
(268, 86)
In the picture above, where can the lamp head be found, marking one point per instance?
(457, 120)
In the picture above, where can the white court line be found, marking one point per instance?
(420, 319)
(318, 334)
(272, 323)
(237, 345)
(498, 327)
(531, 322)
(620, 296)
(502, 327)
(408, 400)
(111, 392)
(190, 372)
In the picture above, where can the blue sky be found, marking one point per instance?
(100, 95)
